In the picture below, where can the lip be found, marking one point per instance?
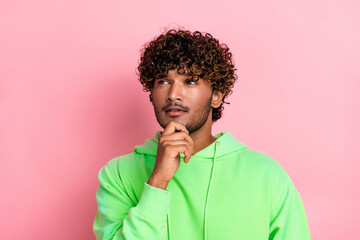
(174, 111)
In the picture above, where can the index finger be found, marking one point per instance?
(173, 127)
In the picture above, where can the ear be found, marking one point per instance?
(150, 96)
(217, 99)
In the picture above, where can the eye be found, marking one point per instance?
(162, 81)
(191, 81)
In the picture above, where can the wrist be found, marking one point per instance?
(158, 183)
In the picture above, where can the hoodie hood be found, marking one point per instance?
(225, 142)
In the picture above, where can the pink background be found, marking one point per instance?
(70, 101)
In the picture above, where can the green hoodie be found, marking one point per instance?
(227, 191)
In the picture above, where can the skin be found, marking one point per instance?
(187, 133)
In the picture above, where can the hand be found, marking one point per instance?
(174, 140)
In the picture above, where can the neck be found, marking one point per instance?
(201, 142)
(203, 137)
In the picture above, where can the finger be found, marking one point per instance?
(173, 126)
(177, 143)
(184, 148)
(177, 136)
(188, 154)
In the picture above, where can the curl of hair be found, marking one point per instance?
(199, 54)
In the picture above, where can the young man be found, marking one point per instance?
(185, 183)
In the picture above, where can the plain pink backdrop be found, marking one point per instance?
(70, 101)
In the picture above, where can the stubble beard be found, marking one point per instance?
(194, 124)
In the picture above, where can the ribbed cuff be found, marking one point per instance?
(154, 202)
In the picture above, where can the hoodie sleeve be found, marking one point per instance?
(288, 218)
(118, 217)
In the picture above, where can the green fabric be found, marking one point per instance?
(227, 191)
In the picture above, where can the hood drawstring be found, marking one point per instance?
(206, 199)
(209, 188)
(168, 225)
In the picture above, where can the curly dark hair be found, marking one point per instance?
(199, 54)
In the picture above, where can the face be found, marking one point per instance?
(178, 98)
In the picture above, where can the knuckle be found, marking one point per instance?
(184, 146)
(170, 147)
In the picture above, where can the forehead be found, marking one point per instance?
(173, 73)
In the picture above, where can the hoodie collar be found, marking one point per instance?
(226, 144)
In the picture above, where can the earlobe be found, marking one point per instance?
(217, 99)
(150, 95)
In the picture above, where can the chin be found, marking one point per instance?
(176, 120)
(179, 121)
(164, 123)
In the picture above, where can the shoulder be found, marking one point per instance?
(261, 164)
(112, 169)
(123, 160)
(265, 169)
(127, 163)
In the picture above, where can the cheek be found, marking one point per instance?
(158, 94)
(155, 98)
(199, 98)
(158, 104)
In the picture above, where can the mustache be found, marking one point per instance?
(175, 104)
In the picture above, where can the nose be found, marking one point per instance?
(175, 92)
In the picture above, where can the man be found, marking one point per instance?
(185, 183)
